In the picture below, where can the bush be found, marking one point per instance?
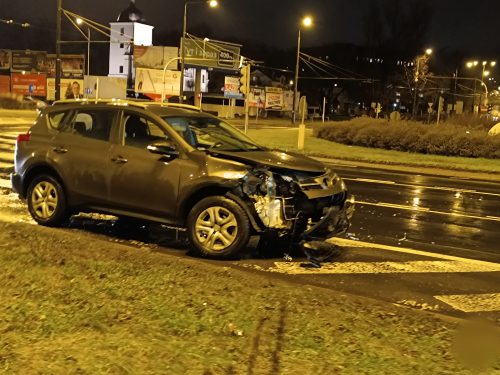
(451, 139)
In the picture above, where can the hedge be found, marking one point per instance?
(444, 139)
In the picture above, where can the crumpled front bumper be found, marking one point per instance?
(335, 221)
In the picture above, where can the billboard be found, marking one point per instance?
(257, 97)
(150, 81)
(232, 88)
(211, 54)
(72, 66)
(5, 59)
(155, 57)
(29, 61)
(4, 84)
(274, 98)
(29, 84)
(70, 88)
(109, 87)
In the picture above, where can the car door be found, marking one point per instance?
(80, 150)
(143, 182)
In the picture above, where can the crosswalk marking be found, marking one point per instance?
(433, 266)
(471, 303)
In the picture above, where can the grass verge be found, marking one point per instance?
(286, 138)
(72, 303)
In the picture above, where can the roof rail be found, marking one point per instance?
(128, 102)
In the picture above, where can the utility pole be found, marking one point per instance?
(58, 50)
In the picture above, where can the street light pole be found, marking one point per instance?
(212, 4)
(307, 22)
(58, 51)
(296, 80)
(88, 50)
(183, 52)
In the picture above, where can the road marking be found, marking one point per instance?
(428, 210)
(472, 302)
(423, 266)
(344, 242)
(5, 184)
(441, 188)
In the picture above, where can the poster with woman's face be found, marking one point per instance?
(5, 59)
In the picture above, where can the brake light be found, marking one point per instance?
(23, 137)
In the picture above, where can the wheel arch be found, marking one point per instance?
(38, 170)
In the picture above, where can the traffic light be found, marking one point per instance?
(490, 108)
(245, 80)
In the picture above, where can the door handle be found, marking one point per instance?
(118, 160)
(60, 150)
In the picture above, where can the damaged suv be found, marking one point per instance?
(175, 165)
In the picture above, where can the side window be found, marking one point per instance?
(94, 124)
(55, 119)
(141, 131)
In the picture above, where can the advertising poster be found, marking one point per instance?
(106, 87)
(4, 84)
(5, 59)
(150, 81)
(211, 54)
(257, 98)
(155, 57)
(29, 84)
(232, 88)
(70, 88)
(29, 61)
(72, 66)
(274, 98)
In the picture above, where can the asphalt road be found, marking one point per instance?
(425, 242)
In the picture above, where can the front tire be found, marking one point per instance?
(47, 201)
(218, 227)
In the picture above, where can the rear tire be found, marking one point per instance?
(47, 201)
(218, 227)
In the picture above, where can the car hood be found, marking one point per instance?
(274, 159)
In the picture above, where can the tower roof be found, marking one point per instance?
(131, 14)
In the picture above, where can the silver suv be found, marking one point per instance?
(176, 165)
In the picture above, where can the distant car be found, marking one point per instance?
(176, 165)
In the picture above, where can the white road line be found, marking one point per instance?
(441, 188)
(428, 210)
(343, 242)
(425, 266)
(472, 302)
(5, 184)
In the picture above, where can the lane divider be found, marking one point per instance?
(428, 210)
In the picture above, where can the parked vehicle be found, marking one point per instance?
(173, 164)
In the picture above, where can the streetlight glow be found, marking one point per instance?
(486, 73)
(307, 21)
(493, 63)
(428, 51)
(79, 21)
(213, 3)
(470, 64)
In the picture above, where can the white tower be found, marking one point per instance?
(128, 30)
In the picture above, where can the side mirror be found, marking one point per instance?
(164, 149)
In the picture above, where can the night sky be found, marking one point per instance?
(456, 24)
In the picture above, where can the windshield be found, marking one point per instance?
(209, 133)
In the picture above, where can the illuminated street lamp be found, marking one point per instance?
(425, 56)
(484, 73)
(306, 22)
(80, 22)
(211, 4)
